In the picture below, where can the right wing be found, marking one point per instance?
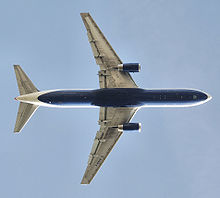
(106, 137)
(106, 58)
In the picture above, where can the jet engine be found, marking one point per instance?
(129, 67)
(129, 127)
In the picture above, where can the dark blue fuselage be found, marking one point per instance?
(124, 97)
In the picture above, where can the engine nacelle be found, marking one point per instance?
(130, 127)
(129, 67)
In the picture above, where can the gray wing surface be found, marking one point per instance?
(106, 58)
(106, 137)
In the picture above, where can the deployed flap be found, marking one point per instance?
(25, 112)
(25, 85)
(106, 58)
(106, 137)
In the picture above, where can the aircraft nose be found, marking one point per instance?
(209, 97)
(202, 96)
(206, 97)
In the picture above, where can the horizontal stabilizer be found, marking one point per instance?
(25, 85)
(25, 112)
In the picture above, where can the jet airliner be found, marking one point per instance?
(118, 98)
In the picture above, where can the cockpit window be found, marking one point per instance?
(194, 97)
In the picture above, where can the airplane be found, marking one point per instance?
(118, 98)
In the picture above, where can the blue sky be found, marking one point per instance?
(177, 152)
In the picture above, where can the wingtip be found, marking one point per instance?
(17, 67)
(85, 181)
(17, 130)
(83, 14)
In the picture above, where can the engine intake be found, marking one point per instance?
(129, 67)
(129, 127)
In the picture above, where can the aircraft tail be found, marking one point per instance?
(25, 85)
(25, 110)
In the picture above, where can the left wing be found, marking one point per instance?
(106, 137)
(106, 58)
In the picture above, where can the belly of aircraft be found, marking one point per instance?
(122, 97)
